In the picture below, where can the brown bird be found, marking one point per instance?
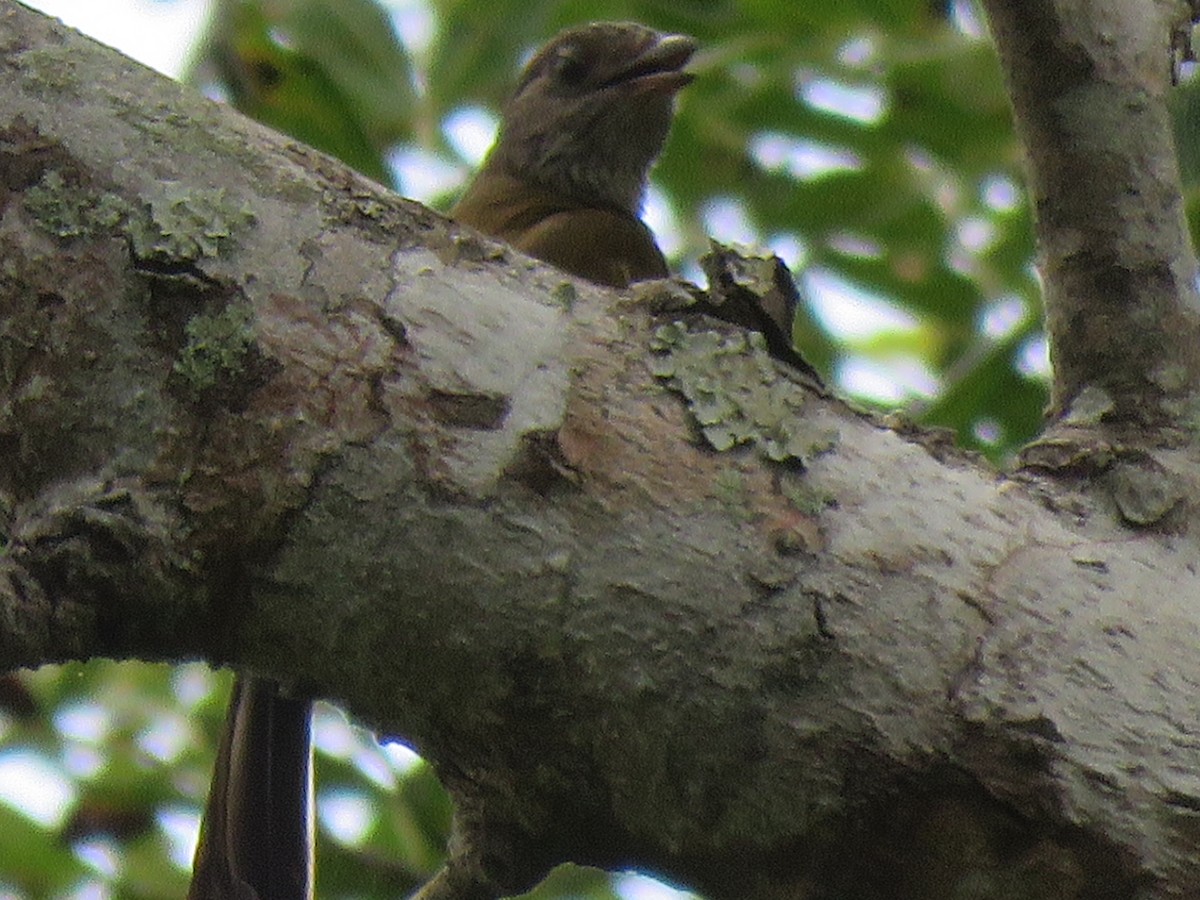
(566, 177)
(256, 837)
(564, 183)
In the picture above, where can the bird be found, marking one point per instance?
(564, 183)
(566, 178)
(256, 835)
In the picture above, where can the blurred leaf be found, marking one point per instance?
(574, 882)
(330, 74)
(1185, 109)
(34, 860)
(991, 390)
(354, 43)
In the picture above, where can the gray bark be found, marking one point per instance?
(258, 410)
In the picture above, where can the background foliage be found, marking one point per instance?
(868, 141)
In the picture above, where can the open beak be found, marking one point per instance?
(659, 68)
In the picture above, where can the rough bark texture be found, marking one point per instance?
(1088, 82)
(257, 410)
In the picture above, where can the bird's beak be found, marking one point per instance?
(658, 69)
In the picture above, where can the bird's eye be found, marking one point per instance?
(569, 66)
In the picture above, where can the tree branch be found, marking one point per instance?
(259, 410)
(1088, 81)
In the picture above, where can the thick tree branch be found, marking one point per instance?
(259, 410)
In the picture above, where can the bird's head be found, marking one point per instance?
(592, 111)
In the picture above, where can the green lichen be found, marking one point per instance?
(1187, 412)
(185, 224)
(217, 347)
(181, 226)
(49, 71)
(730, 489)
(564, 294)
(69, 211)
(660, 296)
(1171, 377)
(735, 392)
(370, 208)
(806, 499)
